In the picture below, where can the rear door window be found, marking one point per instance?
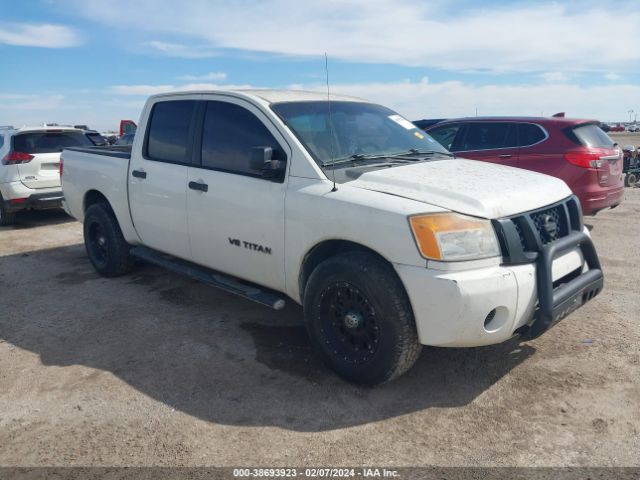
(446, 135)
(230, 132)
(49, 142)
(529, 134)
(169, 128)
(489, 136)
(592, 136)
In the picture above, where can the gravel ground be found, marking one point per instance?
(155, 369)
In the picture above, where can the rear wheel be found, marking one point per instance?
(359, 318)
(106, 247)
(630, 180)
(6, 218)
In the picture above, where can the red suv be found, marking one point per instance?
(576, 151)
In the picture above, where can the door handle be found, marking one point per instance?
(139, 174)
(203, 187)
(505, 155)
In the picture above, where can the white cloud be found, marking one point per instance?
(31, 102)
(452, 99)
(33, 109)
(212, 76)
(181, 51)
(555, 77)
(612, 77)
(147, 90)
(425, 99)
(140, 89)
(536, 36)
(38, 35)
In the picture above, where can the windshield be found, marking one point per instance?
(353, 129)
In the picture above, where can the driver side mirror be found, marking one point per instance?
(262, 159)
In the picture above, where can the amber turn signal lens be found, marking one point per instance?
(450, 236)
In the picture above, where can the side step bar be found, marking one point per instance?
(210, 277)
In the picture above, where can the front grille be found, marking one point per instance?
(551, 224)
(523, 236)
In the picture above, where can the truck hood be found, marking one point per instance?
(471, 187)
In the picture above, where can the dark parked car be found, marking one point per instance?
(96, 138)
(126, 139)
(576, 151)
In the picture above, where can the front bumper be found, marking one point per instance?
(489, 305)
(18, 197)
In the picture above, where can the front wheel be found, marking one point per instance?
(106, 247)
(359, 318)
(630, 180)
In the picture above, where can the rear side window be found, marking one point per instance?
(229, 134)
(49, 142)
(489, 135)
(529, 134)
(445, 135)
(592, 136)
(168, 137)
(1, 141)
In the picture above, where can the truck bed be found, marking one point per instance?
(120, 151)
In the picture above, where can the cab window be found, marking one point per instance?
(229, 133)
(168, 137)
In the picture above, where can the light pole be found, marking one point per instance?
(630, 112)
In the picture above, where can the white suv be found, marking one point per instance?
(29, 167)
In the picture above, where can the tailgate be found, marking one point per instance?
(41, 171)
(611, 169)
(45, 146)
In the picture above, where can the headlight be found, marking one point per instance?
(452, 237)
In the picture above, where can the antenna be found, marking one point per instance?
(331, 129)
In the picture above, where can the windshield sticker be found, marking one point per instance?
(419, 135)
(403, 122)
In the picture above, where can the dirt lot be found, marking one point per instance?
(154, 369)
(626, 138)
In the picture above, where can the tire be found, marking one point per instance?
(359, 318)
(630, 180)
(106, 247)
(6, 218)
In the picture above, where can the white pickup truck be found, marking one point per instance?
(387, 240)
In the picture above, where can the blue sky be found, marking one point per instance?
(96, 61)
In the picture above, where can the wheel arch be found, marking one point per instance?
(327, 249)
(92, 197)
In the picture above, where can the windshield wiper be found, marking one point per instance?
(356, 157)
(409, 155)
(414, 151)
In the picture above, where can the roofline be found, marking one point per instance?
(253, 94)
(523, 119)
(40, 128)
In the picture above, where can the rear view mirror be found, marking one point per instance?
(262, 159)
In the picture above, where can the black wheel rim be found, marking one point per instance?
(98, 243)
(350, 325)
